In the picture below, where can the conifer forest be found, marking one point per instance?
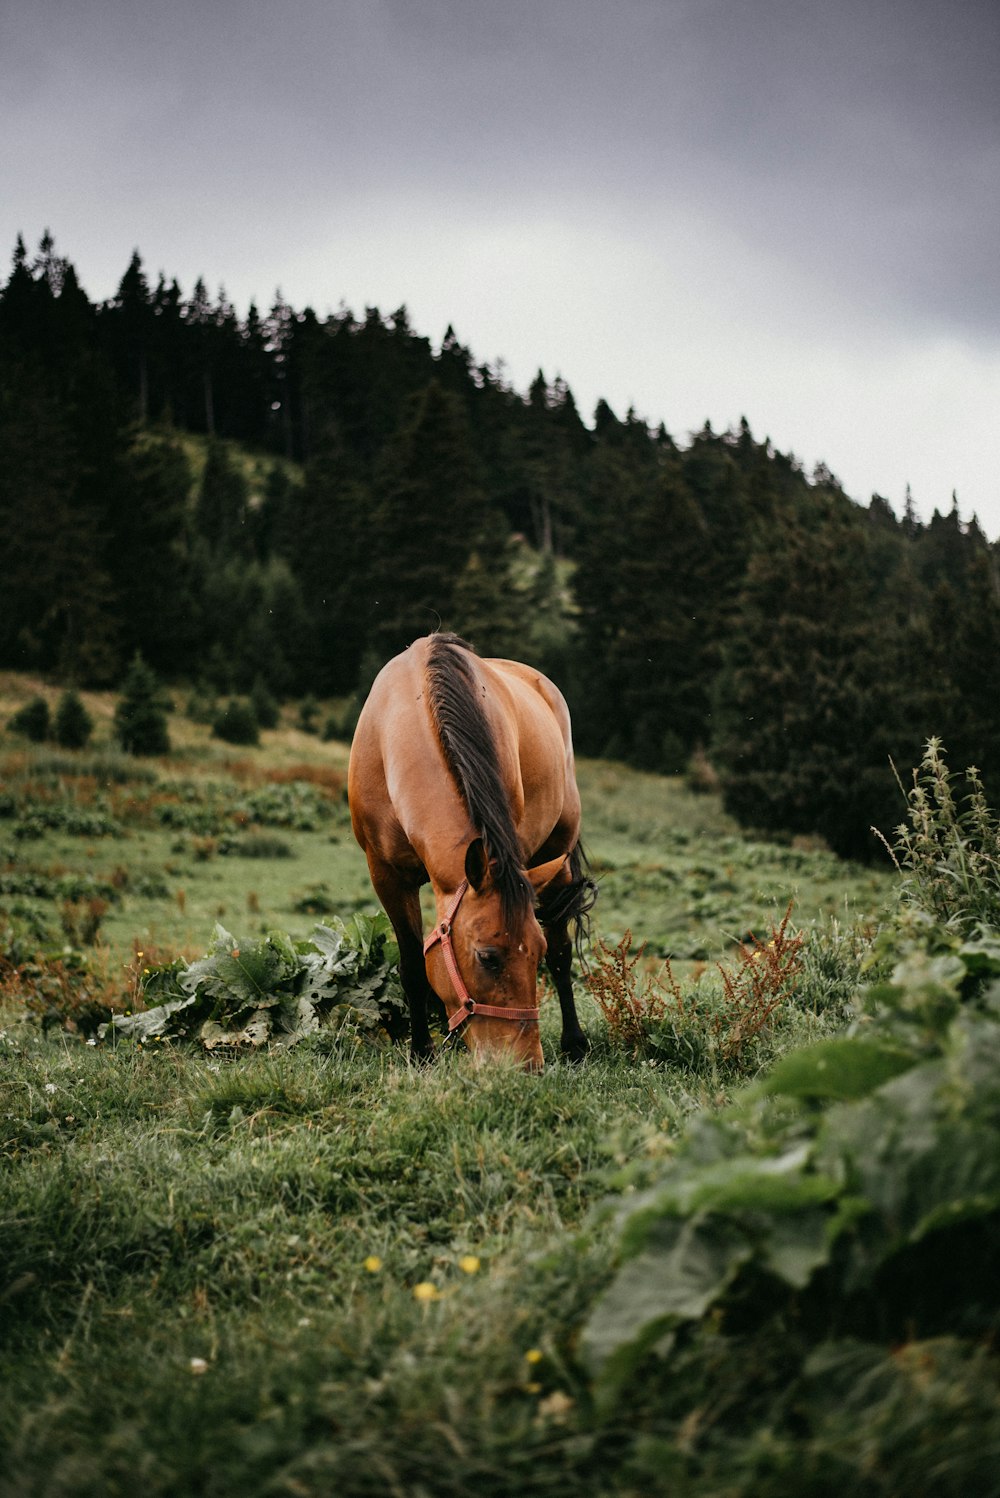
(284, 501)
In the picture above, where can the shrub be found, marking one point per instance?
(201, 705)
(73, 724)
(256, 845)
(264, 704)
(32, 721)
(140, 719)
(700, 776)
(308, 713)
(237, 724)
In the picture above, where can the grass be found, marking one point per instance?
(161, 1211)
(671, 866)
(209, 1263)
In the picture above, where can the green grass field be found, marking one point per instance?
(327, 1271)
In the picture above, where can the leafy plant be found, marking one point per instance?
(275, 990)
(256, 845)
(68, 817)
(847, 1205)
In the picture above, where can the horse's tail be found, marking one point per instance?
(573, 902)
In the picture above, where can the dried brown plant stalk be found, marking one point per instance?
(764, 977)
(630, 998)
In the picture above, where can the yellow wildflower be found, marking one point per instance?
(533, 1355)
(373, 1263)
(426, 1292)
(469, 1264)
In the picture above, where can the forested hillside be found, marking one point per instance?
(292, 499)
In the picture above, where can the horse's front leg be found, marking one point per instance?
(400, 899)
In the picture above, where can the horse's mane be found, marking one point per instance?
(471, 756)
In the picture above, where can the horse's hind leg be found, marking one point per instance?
(561, 897)
(401, 902)
(559, 961)
(569, 897)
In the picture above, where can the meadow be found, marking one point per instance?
(320, 1269)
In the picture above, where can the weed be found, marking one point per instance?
(764, 977)
(949, 854)
(73, 991)
(630, 998)
(81, 920)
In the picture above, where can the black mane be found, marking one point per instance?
(471, 756)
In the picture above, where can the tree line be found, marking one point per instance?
(284, 501)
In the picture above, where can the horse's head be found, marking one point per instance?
(482, 961)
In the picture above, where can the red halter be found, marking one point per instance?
(470, 1006)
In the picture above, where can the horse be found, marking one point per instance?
(462, 776)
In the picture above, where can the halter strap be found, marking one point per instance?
(470, 1007)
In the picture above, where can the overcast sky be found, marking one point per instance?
(783, 209)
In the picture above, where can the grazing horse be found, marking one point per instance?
(461, 775)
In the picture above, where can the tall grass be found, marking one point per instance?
(948, 852)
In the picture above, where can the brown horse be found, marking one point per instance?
(462, 775)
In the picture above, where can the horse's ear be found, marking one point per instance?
(544, 874)
(477, 864)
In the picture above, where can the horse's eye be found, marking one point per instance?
(491, 958)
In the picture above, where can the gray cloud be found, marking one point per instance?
(826, 174)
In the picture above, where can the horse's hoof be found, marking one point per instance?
(574, 1047)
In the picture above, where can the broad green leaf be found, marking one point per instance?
(796, 1246)
(846, 1068)
(685, 1267)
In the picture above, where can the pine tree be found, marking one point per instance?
(642, 683)
(430, 512)
(155, 573)
(221, 514)
(130, 323)
(486, 611)
(73, 725)
(817, 690)
(33, 721)
(140, 721)
(60, 442)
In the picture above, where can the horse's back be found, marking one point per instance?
(399, 785)
(392, 760)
